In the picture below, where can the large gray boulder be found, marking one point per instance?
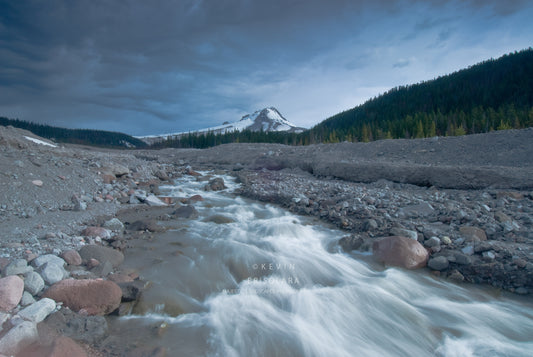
(33, 283)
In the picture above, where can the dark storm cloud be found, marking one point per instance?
(180, 65)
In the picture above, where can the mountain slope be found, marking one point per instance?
(266, 120)
(77, 136)
(495, 94)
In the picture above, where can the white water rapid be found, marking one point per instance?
(250, 279)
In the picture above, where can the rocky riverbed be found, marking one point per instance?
(67, 213)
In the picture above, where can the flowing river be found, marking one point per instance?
(251, 279)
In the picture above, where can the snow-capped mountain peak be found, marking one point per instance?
(267, 119)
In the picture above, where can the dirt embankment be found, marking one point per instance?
(502, 159)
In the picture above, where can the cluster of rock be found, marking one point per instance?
(480, 236)
(54, 290)
(58, 289)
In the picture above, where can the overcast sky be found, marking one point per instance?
(150, 67)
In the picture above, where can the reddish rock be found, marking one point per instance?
(196, 198)
(473, 234)
(96, 232)
(193, 173)
(71, 257)
(91, 263)
(400, 251)
(62, 346)
(93, 296)
(11, 289)
(108, 178)
(167, 200)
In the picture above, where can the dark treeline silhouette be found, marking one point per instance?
(77, 136)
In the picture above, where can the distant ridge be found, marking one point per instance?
(90, 137)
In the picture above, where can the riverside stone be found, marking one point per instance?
(11, 289)
(145, 225)
(438, 263)
(188, 212)
(473, 234)
(52, 273)
(432, 242)
(462, 259)
(102, 254)
(27, 299)
(38, 311)
(96, 232)
(400, 251)
(48, 258)
(71, 257)
(350, 243)
(17, 267)
(396, 231)
(33, 283)
(95, 297)
(114, 224)
(19, 337)
(116, 170)
(215, 184)
(152, 200)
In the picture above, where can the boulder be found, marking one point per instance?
(102, 254)
(473, 234)
(145, 225)
(396, 231)
(33, 283)
(38, 311)
(11, 289)
(17, 267)
(152, 200)
(438, 263)
(400, 251)
(71, 257)
(116, 170)
(83, 328)
(350, 243)
(52, 273)
(19, 337)
(93, 296)
(48, 258)
(216, 184)
(96, 232)
(195, 198)
(188, 212)
(114, 224)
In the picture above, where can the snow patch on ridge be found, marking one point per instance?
(40, 142)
